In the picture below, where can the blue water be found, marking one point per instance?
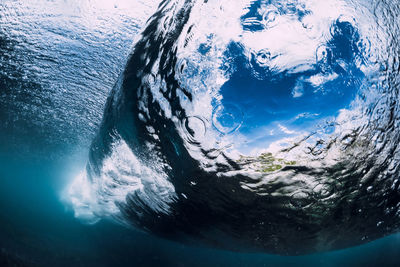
(52, 95)
(37, 230)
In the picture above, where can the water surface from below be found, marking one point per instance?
(58, 62)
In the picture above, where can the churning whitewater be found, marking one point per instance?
(254, 126)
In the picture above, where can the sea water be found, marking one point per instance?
(59, 61)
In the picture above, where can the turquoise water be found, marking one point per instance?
(37, 230)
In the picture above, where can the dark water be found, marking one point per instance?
(58, 62)
(36, 230)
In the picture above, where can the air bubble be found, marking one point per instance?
(227, 118)
(270, 18)
(195, 128)
(322, 191)
(263, 57)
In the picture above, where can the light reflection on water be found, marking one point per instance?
(61, 59)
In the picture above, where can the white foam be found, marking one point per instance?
(122, 173)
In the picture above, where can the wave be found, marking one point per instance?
(254, 126)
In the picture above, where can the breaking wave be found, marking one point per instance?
(254, 126)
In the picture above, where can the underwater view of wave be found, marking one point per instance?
(255, 126)
(261, 126)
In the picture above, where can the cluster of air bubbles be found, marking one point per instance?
(296, 68)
